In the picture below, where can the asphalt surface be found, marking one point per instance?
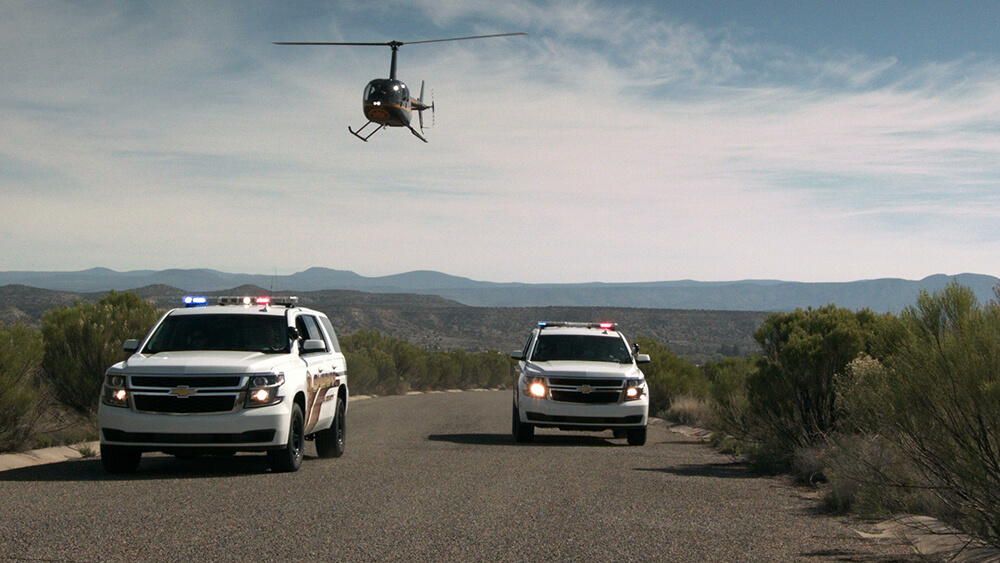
(432, 477)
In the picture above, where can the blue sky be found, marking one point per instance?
(618, 141)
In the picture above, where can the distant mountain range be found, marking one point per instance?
(436, 323)
(880, 295)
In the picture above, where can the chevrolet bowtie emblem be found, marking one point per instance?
(586, 389)
(183, 391)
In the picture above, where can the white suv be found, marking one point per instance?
(580, 376)
(248, 374)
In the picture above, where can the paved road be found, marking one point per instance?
(430, 478)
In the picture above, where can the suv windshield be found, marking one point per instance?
(581, 347)
(243, 333)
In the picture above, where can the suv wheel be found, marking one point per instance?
(523, 432)
(289, 458)
(637, 436)
(330, 442)
(120, 459)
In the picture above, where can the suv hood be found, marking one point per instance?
(203, 363)
(582, 369)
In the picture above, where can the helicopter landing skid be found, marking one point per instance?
(368, 136)
(418, 135)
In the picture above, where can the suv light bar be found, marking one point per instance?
(246, 301)
(605, 326)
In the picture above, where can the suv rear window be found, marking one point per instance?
(244, 333)
(581, 347)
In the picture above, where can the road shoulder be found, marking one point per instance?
(43, 456)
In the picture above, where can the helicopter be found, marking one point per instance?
(387, 101)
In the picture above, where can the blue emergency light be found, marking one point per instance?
(192, 301)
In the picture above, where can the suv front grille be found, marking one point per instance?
(188, 405)
(585, 390)
(171, 381)
(590, 398)
(187, 394)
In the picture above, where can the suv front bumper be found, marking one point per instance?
(545, 413)
(256, 429)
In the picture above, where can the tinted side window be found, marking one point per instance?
(333, 335)
(309, 328)
(527, 345)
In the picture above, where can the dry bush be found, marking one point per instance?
(689, 410)
(931, 414)
(21, 397)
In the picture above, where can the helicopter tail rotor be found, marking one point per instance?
(419, 105)
(420, 113)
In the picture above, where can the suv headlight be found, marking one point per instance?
(535, 387)
(635, 389)
(115, 392)
(262, 390)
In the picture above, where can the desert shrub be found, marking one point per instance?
(791, 400)
(82, 341)
(937, 401)
(380, 365)
(728, 393)
(21, 404)
(868, 476)
(669, 376)
(497, 370)
(689, 410)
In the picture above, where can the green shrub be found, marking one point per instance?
(380, 365)
(728, 388)
(791, 400)
(937, 402)
(82, 341)
(21, 351)
(669, 376)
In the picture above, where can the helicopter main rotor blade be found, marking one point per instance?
(326, 43)
(464, 38)
(400, 43)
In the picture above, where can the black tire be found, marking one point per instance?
(523, 432)
(289, 458)
(330, 442)
(637, 436)
(619, 433)
(120, 459)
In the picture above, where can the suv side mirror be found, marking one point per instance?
(314, 346)
(293, 333)
(131, 345)
(642, 358)
(517, 354)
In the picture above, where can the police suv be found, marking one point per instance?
(580, 376)
(248, 374)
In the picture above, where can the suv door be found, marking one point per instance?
(320, 368)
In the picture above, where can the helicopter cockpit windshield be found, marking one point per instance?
(387, 92)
